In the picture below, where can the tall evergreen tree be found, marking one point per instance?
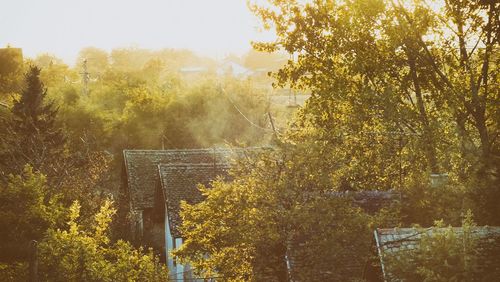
(36, 139)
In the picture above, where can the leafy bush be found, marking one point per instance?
(87, 254)
(26, 211)
(441, 255)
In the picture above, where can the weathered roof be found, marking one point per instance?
(142, 169)
(370, 201)
(393, 240)
(180, 183)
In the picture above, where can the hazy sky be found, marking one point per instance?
(63, 27)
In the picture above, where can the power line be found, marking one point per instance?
(243, 115)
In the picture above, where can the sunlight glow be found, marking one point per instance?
(63, 27)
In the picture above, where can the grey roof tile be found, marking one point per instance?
(394, 240)
(180, 183)
(142, 169)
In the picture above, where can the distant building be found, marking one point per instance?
(234, 69)
(289, 100)
(193, 70)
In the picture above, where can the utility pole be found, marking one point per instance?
(272, 123)
(85, 78)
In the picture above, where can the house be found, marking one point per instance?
(156, 181)
(234, 69)
(390, 241)
(179, 182)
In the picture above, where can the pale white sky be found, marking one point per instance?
(64, 27)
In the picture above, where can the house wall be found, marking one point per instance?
(169, 246)
(178, 272)
(153, 232)
(180, 267)
(136, 227)
(176, 269)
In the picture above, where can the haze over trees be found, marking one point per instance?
(62, 138)
(405, 99)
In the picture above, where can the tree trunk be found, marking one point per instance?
(429, 145)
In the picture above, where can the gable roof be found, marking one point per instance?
(141, 168)
(179, 182)
(393, 240)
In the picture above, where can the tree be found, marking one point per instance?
(87, 254)
(441, 255)
(11, 70)
(399, 91)
(54, 74)
(26, 212)
(274, 210)
(36, 138)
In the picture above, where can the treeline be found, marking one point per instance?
(46, 233)
(63, 130)
(404, 99)
(141, 99)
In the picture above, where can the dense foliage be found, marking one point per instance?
(70, 128)
(276, 208)
(34, 137)
(80, 251)
(404, 98)
(442, 254)
(87, 254)
(26, 212)
(400, 91)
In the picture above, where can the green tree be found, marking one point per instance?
(273, 209)
(26, 212)
(11, 70)
(36, 138)
(87, 254)
(441, 255)
(397, 92)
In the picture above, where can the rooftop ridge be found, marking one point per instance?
(194, 165)
(210, 149)
(414, 229)
(141, 168)
(176, 150)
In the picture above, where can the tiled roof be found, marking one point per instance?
(370, 201)
(180, 183)
(393, 240)
(142, 169)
